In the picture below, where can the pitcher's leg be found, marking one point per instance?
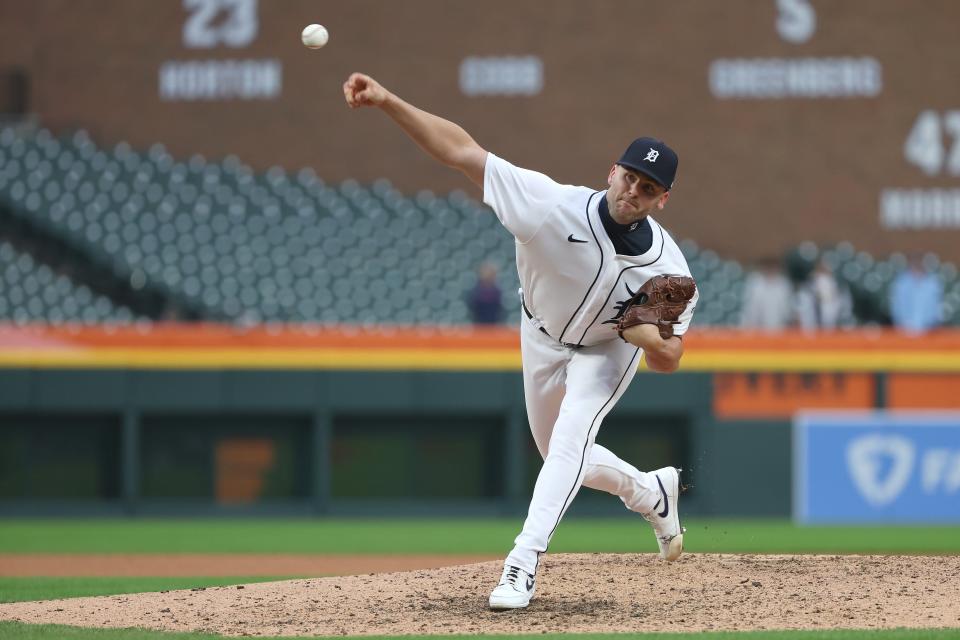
(607, 472)
(544, 382)
(595, 381)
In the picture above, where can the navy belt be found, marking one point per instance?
(569, 345)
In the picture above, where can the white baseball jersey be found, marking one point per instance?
(574, 284)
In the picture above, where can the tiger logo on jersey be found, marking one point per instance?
(621, 305)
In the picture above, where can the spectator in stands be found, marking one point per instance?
(767, 297)
(484, 300)
(916, 297)
(822, 302)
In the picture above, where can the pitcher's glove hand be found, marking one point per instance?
(659, 301)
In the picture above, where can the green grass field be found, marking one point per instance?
(432, 536)
(453, 536)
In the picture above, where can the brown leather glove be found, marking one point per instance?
(659, 301)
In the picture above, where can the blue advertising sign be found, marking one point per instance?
(876, 467)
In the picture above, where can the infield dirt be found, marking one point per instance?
(575, 593)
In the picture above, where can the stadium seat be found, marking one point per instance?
(32, 292)
(286, 246)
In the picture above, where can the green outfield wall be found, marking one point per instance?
(340, 442)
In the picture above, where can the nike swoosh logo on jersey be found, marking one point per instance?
(666, 500)
(570, 238)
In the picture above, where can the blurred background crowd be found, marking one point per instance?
(209, 171)
(96, 235)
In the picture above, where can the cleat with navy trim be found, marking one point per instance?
(665, 517)
(515, 589)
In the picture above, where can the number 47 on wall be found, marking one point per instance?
(925, 146)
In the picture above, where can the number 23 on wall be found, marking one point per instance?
(211, 23)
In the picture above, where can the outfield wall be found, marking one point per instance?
(336, 421)
(343, 442)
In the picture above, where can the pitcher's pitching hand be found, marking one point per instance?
(361, 90)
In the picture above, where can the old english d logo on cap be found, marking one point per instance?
(653, 158)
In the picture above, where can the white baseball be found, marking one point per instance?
(314, 36)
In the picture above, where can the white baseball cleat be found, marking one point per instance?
(665, 517)
(515, 589)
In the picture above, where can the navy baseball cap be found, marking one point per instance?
(653, 158)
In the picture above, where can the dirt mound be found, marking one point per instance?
(575, 593)
(219, 564)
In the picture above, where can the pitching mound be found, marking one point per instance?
(575, 593)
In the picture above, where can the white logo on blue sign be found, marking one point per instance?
(880, 466)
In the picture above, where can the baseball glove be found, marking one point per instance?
(659, 301)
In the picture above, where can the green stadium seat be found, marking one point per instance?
(284, 245)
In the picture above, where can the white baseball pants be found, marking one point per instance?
(568, 393)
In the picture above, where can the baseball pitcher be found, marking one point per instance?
(602, 283)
